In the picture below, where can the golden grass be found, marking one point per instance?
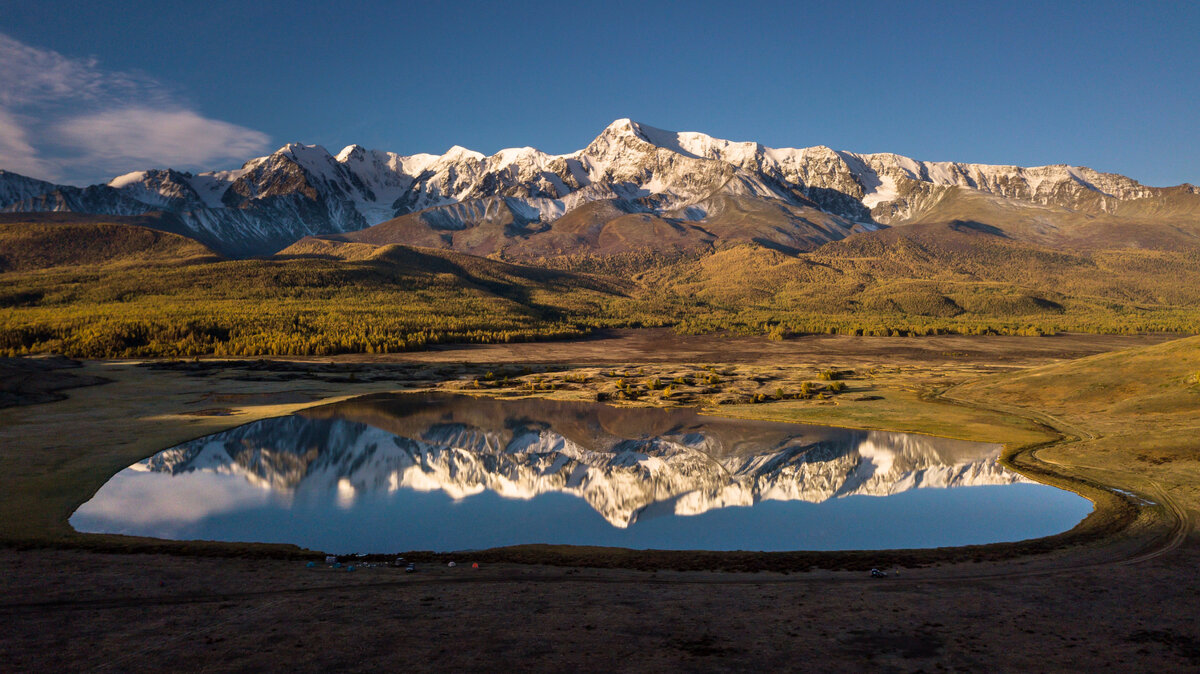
(1136, 412)
(397, 298)
(905, 411)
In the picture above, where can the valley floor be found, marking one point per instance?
(83, 602)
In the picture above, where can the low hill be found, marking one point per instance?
(611, 227)
(31, 241)
(958, 276)
(490, 227)
(968, 252)
(389, 298)
(470, 269)
(328, 248)
(1136, 414)
(1163, 379)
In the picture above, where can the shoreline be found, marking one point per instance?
(1111, 521)
(1125, 597)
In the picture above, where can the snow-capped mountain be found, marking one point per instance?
(688, 189)
(684, 471)
(15, 188)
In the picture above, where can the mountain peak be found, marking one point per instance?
(626, 127)
(298, 150)
(623, 130)
(460, 152)
(353, 151)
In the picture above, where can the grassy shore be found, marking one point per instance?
(46, 474)
(1134, 417)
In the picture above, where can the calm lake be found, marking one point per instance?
(390, 473)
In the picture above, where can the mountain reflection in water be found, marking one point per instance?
(628, 465)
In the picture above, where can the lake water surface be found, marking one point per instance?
(389, 473)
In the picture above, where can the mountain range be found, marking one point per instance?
(633, 188)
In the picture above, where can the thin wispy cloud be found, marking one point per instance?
(16, 152)
(145, 135)
(71, 120)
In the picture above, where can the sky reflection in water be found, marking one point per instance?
(433, 471)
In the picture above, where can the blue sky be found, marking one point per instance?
(91, 90)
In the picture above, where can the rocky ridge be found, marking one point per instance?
(703, 189)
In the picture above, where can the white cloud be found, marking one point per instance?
(163, 137)
(69, 119)
(16, 154)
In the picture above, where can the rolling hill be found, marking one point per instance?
(31, 241)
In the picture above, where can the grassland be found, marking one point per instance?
(402, 299)
(30, 241)
(1135, 414)
(1121, 594)
(115, 289)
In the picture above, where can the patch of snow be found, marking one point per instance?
(210, 186)
(459, 153)
(882, 192)
(127, 179)
(516, 155)
(668, 140)
(941, 172)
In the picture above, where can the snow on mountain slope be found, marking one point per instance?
(302, 190)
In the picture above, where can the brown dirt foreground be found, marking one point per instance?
(1126, 603)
